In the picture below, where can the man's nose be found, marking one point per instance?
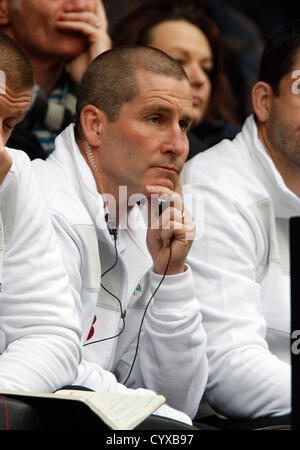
(176, 141)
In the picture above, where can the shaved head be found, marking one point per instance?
(110, 80)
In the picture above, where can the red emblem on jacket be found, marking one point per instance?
(92, 330)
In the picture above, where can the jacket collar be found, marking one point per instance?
(67, 155)
(286, 203)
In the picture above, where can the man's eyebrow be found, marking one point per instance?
(166, 109)
(156, 107)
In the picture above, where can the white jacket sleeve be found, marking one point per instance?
(39, 326)
(245, 378)
(172, 358)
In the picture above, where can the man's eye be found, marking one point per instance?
(184, 125)
(155, 119)
(8, 126)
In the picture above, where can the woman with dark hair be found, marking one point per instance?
(194, 40)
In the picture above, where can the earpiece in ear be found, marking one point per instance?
(96, 128)
(90, 156)
(110, 221)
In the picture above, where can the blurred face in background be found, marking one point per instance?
(34, 24)
(187, 44)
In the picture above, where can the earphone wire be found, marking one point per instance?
(144, 314)
(110, 221)
(123, 314)
(113, 232)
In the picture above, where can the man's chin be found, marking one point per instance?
(167, 183)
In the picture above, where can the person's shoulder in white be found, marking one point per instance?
(40, 332)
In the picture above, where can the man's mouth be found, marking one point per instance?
(168, 168)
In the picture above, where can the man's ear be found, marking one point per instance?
(92, 121)
(4, 16)
(262, 98)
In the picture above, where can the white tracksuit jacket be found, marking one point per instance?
(241, 272)
(171, 358)
(39, 328)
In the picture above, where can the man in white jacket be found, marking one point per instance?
(134, 109)
(249, 189)
(39, 326)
